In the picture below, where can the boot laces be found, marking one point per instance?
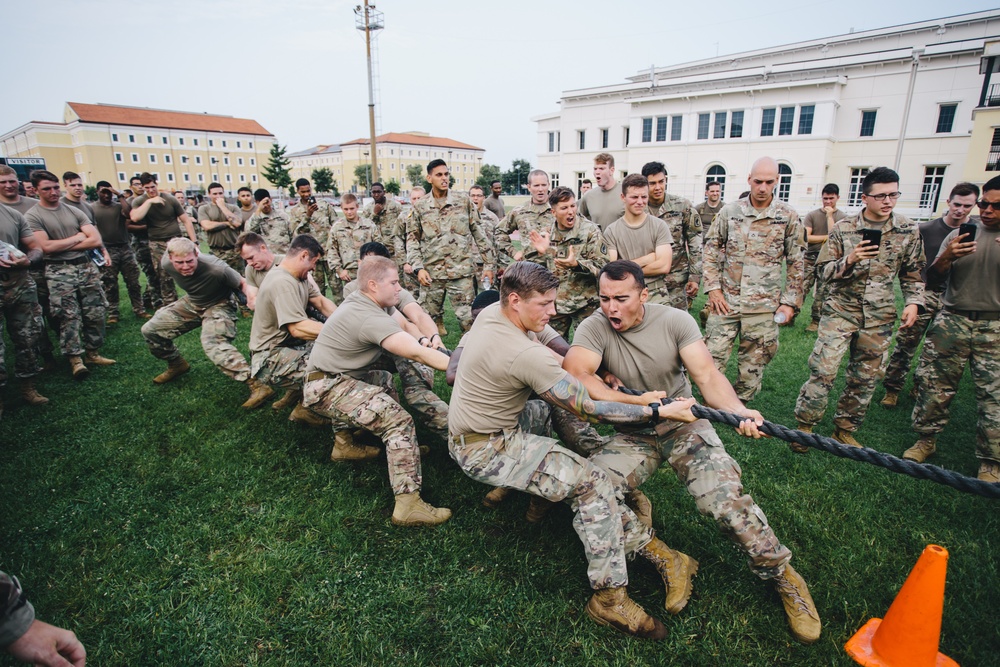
(791, 591)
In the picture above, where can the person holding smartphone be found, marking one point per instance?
(863, 255)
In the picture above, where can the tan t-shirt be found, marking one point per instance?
(817, 222)
(545, 336)
(634, 242)
(647, 356)
(212, 281)
(351, 339)
(161, 220)
(500, 367)
(224, 237)
(110, 223)
(23, 205)
(281, 300)
(974, 280)
(603, 207)
(60, 223)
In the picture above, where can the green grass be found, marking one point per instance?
(166, 526)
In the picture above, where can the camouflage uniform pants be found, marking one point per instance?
(325, 278)
(19, 308)
(151, 295)
(370, 404)
(281, 366)
(811, 277)
(658, 291)
(231, 257)
(537, 465)
(869, 348)
(562, 323)
(418, 390)
(953, 340)
(710, 475)
(77, 303)
(758, 344)
(123, 262)
(676, 296)
(461, 293)
(218, 331)
(540, 418)
(48, 322)
(907, 342)
(168, 291)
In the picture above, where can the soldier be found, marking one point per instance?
(603, 205)
(385, 212)
(681, 283)
(111, 223)
(315, 217)
(962, 199)
(151, 299)
(818, 224)
(708, 209)
(494, 203)
(586, 185)
(860, 306)
(490, 224)
(647, 345)
(438, 234)
(19, 303)
(502, 364)
(641, 237)
(346, 238)
(209, 303)
(745, 248)
(341, 386)
(967, 328)
(162, 215)
(30, 640)
(535, 216)
(75, 197)
(29, 190)
(222, 222)
(75, 297)
(244, 196)
(271, 224)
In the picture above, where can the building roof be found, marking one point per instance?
(174, 120)
(415, 139)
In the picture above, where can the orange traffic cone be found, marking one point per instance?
(909, 634)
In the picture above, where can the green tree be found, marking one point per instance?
(393, 187)
(515, 179)
(362, 173)
(415, 175)
(487, 174)
(322, 180)
(277, 167)
(90, 192)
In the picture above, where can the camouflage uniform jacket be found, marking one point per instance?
(524, 219)
(746, 265)
(863, 294)
(490, 223)
(318, 225)
(577, 286)
(390, 225)
(439, 237)
(346, 239)
(707, 213)
(686, 230)
(16, 613)
(273, 227)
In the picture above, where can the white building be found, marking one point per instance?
(828, 110)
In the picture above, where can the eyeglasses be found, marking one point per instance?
(884, 195)
(983, 205)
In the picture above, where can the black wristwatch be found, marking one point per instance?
(655, 417)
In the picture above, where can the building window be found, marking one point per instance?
(720, 125)
(152, 158)
(552, 143)
(253, 178)
(946, 117)
(993, 159)
(187, 178)
(736, 125)
(868, 123)
(250, 144)
(582, 139)
(647, 130)
(787, 121)
(243, 178)
(135, 158)
(239, 162)
(114, 136)
(180, 141)
(121, 177)
(717, 173)
(930, 193)
(131, 138)
(806, 114)
(165, 141)
(554, 178)
(225, 160)
(661, 128)
(605, 137)
(784, 182)
(253, 162)
(184, 159)
(767, 123)
(170, 177)
(857, 177)
(223, 143)
(149, 138)
(119, 157)
(201, 178)
(197, 159)
(195, 140)
(675, 127)
(215, 177)
(704, 120)
(627, 130)
(238, 144)
(211, 143)
(166, 158)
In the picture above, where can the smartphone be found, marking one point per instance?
(873, 236)
(312, 200)
(967, 228)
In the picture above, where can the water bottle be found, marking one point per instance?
(780, 317)
(486, 283)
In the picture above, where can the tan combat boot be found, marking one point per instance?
(677, 570)
(496, 496)
(79, 370)
(537, 509)
(411, 510)
(30, 394)
(890, 400)
(94, 358)
(813, 327)
(799, 448)
(112, 319)
(291, 397)
(441, 330)
(846, 437)
(640, 505)
(803, 619)
(922, 449)
(303, 415)
(344, 449)
(259, 393)
(175, 368)
(613, 606)
(989, 471)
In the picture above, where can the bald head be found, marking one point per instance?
(763, 177)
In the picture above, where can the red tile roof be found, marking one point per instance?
(174, 120)
(416, 140)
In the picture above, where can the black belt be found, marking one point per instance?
(221, 247)
(976, 315)
(78, 260)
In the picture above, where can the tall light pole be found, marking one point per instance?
(368, 19)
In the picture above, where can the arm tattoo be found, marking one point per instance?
(570, 394)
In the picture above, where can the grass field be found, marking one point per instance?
(166, 526)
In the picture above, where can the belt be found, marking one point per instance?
(78, 260)
(321, 375)
(222, 247)
(975, 315)
(473, 438)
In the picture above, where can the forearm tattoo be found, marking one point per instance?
(570, 394)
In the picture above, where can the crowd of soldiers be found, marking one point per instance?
(618, 269)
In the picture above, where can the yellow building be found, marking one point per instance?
(396, 151)
(184, 150)
(983, 162)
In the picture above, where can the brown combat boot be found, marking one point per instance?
(922, 449)
(175, 367)
(412, 510)
(537, 509)
(50, 361)
(112, 319)
(890, 400)
(94, 358)
(846, 437)
(259, 393)
(496, 496)
(142, 315)
(291, 397)
(989, 471)
(677, 570)
(803, 619)
(640, 505)
(344, 449)
(303, 415)
(441, 330)
(30, 394)
(799, 448)
(79, 370)
(813, 327)
(613, 606)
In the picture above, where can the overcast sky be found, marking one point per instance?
(472, 71)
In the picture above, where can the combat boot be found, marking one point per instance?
(94, 358)
(989, 471)
(30, 394)
(412, 510)
(303, 415)
(797, 447)
(112, 319)
(441, 330)
(537, 509)
(344, 449)
(846, 437)
(496, 496)
(813, 327)
(79, 370)
(640, 505)
(613, 607)
(677, 570)
(259, 392)
(803, 619)
(291, 397)
(922, 449)
(175, 367)
(50, 361)
(890, 400)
